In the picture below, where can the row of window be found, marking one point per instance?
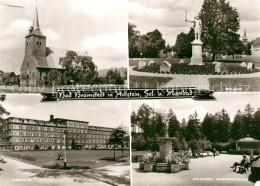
(47, 140)
(57, 135)
(32, 140)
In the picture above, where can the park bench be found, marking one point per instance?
(242, 169)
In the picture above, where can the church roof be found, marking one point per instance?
(52, 58)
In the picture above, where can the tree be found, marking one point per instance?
(247, 120)
(220, 24)
(223, 126)
(209, 127)
(73, 144)
(174, 125)
(114, 77)
(81, 69)
(133, 36)
(256, 125)
(117, 138)
(54, 76)
(144, 119)
(193, 129)
(237, 126)
(154, 43)
(3, 134)
(183, 46)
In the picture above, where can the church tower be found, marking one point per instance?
(35, 54)
(244, 39)
(35, 41)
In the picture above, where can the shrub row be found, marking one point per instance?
(206, 69)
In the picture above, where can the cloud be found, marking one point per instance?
(51, 34)
(10, 37)
(168, 16)
(113, 112)
(107, 50)
(97, 7)
(68, 24)
(117, 41)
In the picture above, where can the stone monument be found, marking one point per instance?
(196, 58)
(141, 64)
(165, 66)
(165, 142)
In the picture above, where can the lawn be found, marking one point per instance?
(234, 84)
(147, 82)
(82, 158)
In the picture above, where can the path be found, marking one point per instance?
(23, 174)
(203, 168)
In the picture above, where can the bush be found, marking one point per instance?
(255, 169)
(207, 68)
(36, 147)
(60, 156)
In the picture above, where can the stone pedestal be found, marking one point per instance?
(196, 58)
(165, 146)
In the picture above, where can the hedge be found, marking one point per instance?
(206, 69)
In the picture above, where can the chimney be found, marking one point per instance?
(51, 117)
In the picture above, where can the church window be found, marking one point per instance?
(27, 64)
(40, 76)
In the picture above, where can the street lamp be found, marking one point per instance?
(65, 143)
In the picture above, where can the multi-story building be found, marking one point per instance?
(255, 47)
(29, 134)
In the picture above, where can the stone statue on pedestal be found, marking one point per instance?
(197, 26)
(196, 58)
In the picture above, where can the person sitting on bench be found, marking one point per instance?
(242, 163)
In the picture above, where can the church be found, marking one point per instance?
(39, 59)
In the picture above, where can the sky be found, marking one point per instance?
(103, 113)
(96, 26)
(168, 16)
(231, 102)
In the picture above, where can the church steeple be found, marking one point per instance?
(35, 41)
(244, 38)
(35, 29)
(36, 25)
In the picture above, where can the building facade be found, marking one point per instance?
(30, 134)
(255, 47)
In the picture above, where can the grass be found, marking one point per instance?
(148, 82)
(80, 158)
(235, 84)
(21, 156)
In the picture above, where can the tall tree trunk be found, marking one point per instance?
(122, 148)
(114, 151)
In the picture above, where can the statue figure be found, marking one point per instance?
(197, 26)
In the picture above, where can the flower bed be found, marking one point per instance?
(206, 69)
(173, 163)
